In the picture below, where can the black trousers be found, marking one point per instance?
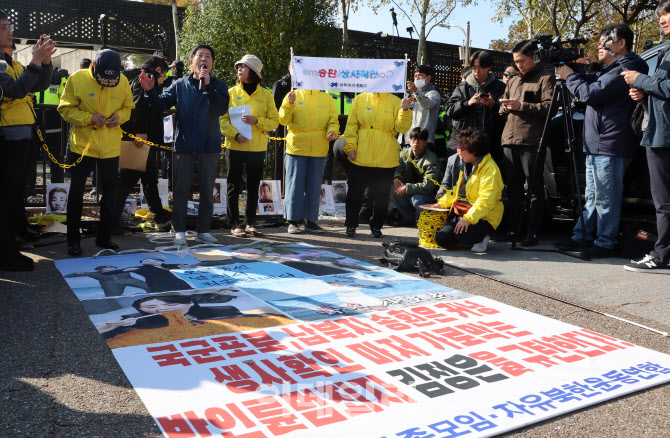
(658, 160)
(254, 162)
(377, 182)
(128, 179)
(517, 172)
(475, 233)
(108, 169)
(13, 168)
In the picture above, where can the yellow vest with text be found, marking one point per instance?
(309, 120)
(374, 122)
(52, 94)
(262, 107)
(82, 98)
(13, 114)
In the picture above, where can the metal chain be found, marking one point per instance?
(61, 165)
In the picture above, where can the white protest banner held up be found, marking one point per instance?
(349, 74)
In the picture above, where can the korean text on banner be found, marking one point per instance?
(347, 74)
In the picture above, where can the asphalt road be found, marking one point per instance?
(59, 379)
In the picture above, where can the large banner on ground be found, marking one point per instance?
(266, 339)
(349, 74)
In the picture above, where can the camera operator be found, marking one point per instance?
(525, 103)
(655, 91)
(609, 141)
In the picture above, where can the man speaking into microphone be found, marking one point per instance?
(200, 99)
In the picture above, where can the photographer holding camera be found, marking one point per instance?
(525, 103)
(609, 141)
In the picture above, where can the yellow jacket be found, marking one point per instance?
(262, 107)
(16, 111)
(374, 122)
(483, 191)
(82, 99)
(309, 120)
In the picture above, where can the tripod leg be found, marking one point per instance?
(538, 166)
(569, 131)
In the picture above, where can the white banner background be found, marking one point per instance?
(349, 74)
(543, 377)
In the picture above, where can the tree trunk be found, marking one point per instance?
(175, 21)
(345, 27)
(421, 50)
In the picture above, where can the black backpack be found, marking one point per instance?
(408, 257)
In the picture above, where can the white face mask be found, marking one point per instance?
(420, 83)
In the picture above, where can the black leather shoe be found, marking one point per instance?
(74, 249)
(351, 232)
(107, 244)
(530, 240)
(29, 234)
(16, 263)
(376, 232)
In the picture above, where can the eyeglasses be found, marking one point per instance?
(510, 74)
(7, 28)
(239, 66)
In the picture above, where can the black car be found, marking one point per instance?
(557, 176)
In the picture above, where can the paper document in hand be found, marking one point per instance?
(236, 113)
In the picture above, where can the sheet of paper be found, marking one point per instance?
(236, 113)
(425, 207)
(168, 129)
(210, 255)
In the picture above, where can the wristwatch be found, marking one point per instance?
(520, 106)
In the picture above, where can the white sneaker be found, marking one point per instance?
(205, 238)
(180, 239)
(481, 246)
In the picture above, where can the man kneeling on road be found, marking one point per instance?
(411, 184)
(609, 140)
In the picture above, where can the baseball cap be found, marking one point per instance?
(107, 68)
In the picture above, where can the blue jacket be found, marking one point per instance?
(657, 88)
(607, 129)
(198, 118)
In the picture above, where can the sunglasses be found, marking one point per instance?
(510, 74)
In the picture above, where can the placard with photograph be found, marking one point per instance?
(269, 198)
(340, 194)
(326, 203)
(130, 208)
(56, 198)
(163, 193)
(219, 195)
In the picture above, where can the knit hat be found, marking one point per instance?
(107, 70)
(252, 62)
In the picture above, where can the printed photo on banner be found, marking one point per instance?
(148, 319)
(349, 74)
(327, 205)
(302, 257)
(348, 294)
(57, 198)
(168, 129)
(126, 274)
(269, 198)
(163, 193)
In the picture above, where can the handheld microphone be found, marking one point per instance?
(201, 85)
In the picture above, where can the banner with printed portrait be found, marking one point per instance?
(267, 339)
(349, 74)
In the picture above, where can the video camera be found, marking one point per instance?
(551, 50)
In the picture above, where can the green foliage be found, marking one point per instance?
(265, 28)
